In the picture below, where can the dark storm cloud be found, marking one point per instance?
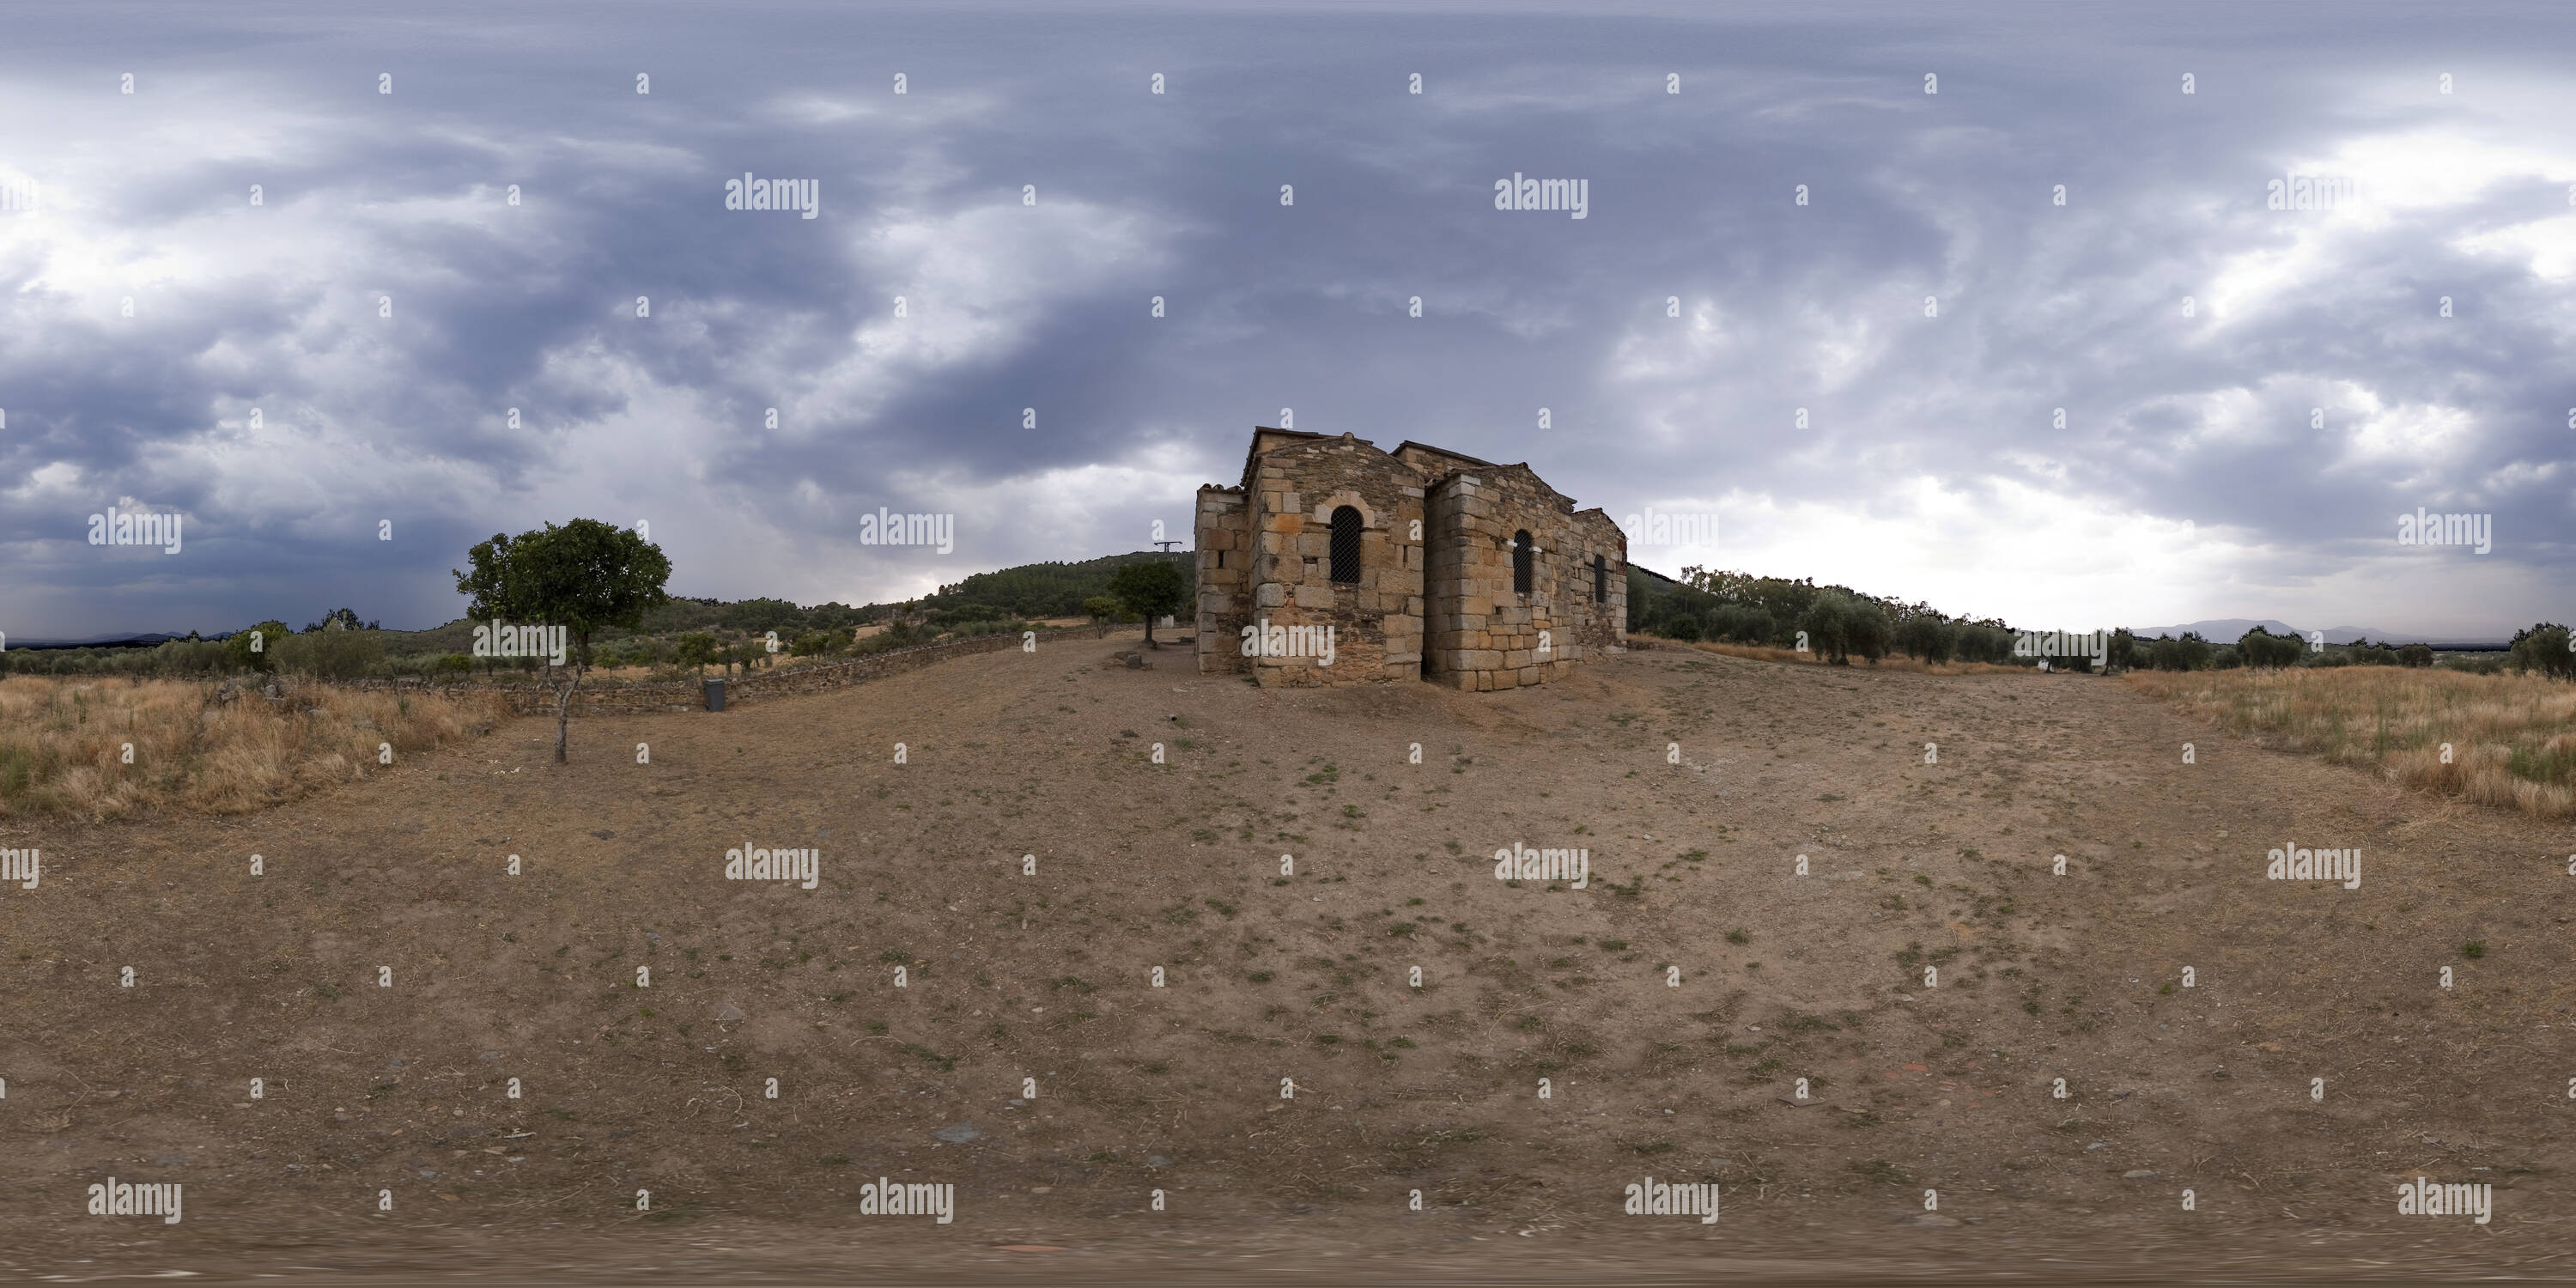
(2171, 418)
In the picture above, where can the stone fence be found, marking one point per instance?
(690, 695)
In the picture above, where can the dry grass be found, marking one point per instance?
(2512, 738)
(63, 741)
(1765, 653)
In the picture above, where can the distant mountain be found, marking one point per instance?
(148, 640)
(2225, 630)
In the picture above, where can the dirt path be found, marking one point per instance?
(1307, 977)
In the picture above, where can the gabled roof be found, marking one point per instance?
(1455, 456)
(1253, 453)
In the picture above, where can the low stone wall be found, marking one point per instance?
(690, 695)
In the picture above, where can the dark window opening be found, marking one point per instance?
(1600, 580)
(1346, 544)
(1522, 562)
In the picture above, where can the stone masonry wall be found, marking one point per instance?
(1224, 540)
(1376, 621)
(689, 695)
(1484, 634)
(1435, 597)
(1604, 625)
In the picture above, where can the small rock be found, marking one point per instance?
(728, 1013)
(489, 1056)
(958, 1133)
(2099, 1144)
(1157, 1160)
(2139, 1174)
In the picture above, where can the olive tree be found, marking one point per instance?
(584, 577)
(1149, 588)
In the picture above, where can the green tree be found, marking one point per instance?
(2263, 650)
(337, 651)
(2415, 655)
(255, 649)
(1103, 610)
(696, 649)
(584, 576)
(1149, 589)
(2547, 648)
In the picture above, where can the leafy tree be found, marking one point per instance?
(335, 652)
(348, 620)
(584, 576)
(1927, 635)
(1102, 609)
(1044, 589)
(253, 649)
(1149, 589)
(2263, 650)
(761, 615)
(2124, 649)
(696, 650)
(1683, 627)
(2415, 655)
(1742, 623)
(2546, 648)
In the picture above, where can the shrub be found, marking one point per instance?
(2265, 651)
(2546, 649)
(332, 653)
(240, 651)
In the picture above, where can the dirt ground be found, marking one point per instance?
(1304, 981)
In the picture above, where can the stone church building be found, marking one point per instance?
(1425, 564)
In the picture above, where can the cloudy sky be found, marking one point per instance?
(2251, 396)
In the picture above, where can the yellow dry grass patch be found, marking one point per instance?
(2512, 738)
(1893, 662)
(63, 742)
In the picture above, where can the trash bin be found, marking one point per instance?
(715, 694)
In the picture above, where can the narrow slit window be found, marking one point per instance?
(1600, 579)
(1523, 562)
(1346, 544)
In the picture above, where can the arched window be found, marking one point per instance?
(1346, 544)
(1522, 551)
(1600, 580)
